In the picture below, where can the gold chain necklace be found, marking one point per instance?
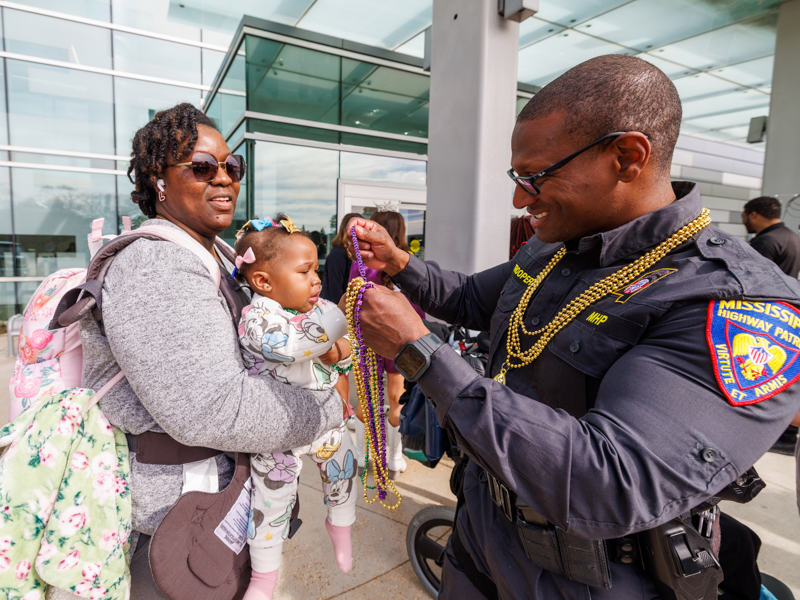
(597, 291)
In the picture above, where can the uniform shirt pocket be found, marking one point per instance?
(587, 349)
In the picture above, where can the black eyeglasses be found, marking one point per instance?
(528, 183)
(205, 166)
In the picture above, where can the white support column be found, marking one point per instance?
(782, 161)
(472, 111)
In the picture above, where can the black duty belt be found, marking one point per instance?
(553, 549)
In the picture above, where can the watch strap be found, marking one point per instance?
(426, 346)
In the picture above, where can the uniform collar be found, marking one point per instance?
(645, 232)
(771, 228)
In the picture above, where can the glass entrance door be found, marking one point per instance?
(363, 196)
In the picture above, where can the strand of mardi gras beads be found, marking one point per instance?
(368, 370)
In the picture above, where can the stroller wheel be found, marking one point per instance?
(426, 539)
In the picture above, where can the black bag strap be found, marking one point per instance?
(234, 294)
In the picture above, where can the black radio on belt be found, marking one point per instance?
(550, 547)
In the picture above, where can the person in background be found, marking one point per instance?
(521, 232)
(395, 225)
(773, 238)
(337, 264)
(781, 245)
(334, 285)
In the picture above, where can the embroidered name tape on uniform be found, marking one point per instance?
(522, 275)
(646, 280)
(754, 348)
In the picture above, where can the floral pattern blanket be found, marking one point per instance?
(65, 504)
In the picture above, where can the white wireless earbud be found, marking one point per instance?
(160, 185)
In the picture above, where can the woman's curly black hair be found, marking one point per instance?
(171, 132)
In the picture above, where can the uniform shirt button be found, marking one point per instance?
(717, 241)
(709, 454)
(626, 547)
(565, 272)
(574, 347)
(626, 559)
(483, 477)
(535, 321)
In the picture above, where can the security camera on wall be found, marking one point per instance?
(517, 10)
(758, 130)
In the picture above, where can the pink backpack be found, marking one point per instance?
(50, 357)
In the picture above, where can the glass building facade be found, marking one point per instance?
(324, 94)
(80, 77)
(308, 111)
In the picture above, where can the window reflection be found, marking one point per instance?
(3, 116)
(139, 101)
(53, 212)
(229, 102)
(384, 99)
(151, 15)
(7, 297)
(91, 9)
(6, 246)
(57, 39)
(300, 181)
(212, 60)
(292, 81)
(156, 58)
(370, 167)
(58, 108)
(126, 207)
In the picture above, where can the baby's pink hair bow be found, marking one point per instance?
(248, 258)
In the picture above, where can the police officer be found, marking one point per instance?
(641, 359)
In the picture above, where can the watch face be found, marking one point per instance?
(410, 361)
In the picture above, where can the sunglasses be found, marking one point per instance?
(205, 166)
(529, 183)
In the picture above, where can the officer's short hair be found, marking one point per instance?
(766, 206)
(612, 93)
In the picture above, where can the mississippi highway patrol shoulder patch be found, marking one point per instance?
(754, 348)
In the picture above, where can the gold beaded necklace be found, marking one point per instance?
(377, 446)
(597, 291)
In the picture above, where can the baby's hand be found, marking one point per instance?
(339, 351)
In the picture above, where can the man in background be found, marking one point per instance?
(781, 245)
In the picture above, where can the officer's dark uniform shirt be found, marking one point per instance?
(781, 245)
(607, 432)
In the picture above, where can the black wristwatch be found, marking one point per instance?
(415, 357)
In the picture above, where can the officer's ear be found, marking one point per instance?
(632, 154)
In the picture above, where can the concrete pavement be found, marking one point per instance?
(381, 568)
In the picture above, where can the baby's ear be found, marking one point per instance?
(260, 280)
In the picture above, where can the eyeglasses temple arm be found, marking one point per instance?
(563, 162)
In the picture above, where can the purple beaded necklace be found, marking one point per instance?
(377, 438)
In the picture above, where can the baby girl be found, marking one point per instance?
(283, 331)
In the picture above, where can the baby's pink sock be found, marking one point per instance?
(261, 586)
(342, 547)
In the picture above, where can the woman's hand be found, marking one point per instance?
(339, 351)
(376, 246)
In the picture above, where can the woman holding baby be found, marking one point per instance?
(173, 333)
